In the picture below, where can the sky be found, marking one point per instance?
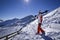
(10, 9)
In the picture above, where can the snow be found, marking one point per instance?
(52, 29)
(1, 20)
(51, 25)
(8, 30)
(14, 25)
(29, 33)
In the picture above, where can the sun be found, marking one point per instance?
(26, 1)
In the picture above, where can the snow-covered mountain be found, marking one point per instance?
(13, 25)
(1, 20)
(50, 24)
(16, 21)
(53, 17)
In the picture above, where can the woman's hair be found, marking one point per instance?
(40, 12)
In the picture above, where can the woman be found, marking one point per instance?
(40, 18)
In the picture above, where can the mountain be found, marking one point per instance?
(13, 25)
(16, 21)
(1, 20)
(50, 24)
(53, 17)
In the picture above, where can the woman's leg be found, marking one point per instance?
(38, 29)
(42, 31)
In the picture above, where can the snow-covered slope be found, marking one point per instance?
(53, 17)
(50, 24)
(10, 26)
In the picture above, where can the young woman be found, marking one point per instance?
(40, 18)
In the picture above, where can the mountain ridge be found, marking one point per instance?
(17, 21)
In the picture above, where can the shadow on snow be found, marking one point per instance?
(46, 37)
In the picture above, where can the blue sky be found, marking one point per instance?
(19, 8)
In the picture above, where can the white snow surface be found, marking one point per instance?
(7, 30)
(29, 32)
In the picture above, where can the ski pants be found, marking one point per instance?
(39, 29)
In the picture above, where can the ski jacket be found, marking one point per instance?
(40, 17)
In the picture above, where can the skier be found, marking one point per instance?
(40, 18)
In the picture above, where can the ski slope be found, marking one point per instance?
(50, 24)
(29, 33)
(13, 25)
